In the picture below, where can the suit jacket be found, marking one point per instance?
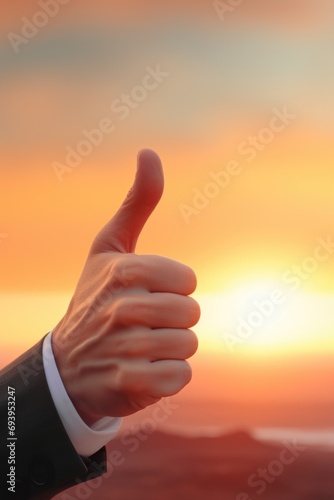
(42, 454)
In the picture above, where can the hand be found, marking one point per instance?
(123, 342)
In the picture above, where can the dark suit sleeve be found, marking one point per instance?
(44, 458)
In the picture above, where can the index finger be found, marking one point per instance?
(160, 274)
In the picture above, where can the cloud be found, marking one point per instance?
(214, 74)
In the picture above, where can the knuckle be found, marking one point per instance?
(142, 346)
(131, 382)
(134, 343)
(122, 311)
(139, 384)
(118, 270)
(130, 269)
(140, 311)
(117, 265)
(119, 378)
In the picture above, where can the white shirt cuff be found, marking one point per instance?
(86, 440)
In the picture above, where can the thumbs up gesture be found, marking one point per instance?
(124, 340)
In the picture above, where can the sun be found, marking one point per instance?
(264, 316)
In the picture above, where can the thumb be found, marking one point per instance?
(120, 234)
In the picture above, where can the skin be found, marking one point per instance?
(124, 340)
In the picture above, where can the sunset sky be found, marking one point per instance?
(213, 113)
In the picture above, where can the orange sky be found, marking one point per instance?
(222, 89)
